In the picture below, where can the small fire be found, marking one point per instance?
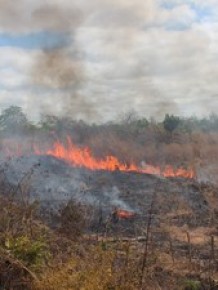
(124, 214)
(83, 157)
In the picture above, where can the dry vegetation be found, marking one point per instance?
(175, 140)
(36, 255)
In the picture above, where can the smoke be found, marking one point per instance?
(109, 197)
(111, 53)
(60, 71)
(164, 107)
(113, 198)
(57, 73)
(55, 70)
(58, 18)
(57, 67)
(29, 16)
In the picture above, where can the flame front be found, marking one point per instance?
(124, 214)
(83, 157)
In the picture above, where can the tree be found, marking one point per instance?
(171, 122)
(13, 119)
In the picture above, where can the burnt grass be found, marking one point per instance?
(175, 222)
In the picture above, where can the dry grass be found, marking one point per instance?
(198, 236)
(34, 256)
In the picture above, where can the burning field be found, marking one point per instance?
(78, 157)
(84, 158)
(63, 173)
(68, 171)
(172, 218)
(162, 219)
(108, 145)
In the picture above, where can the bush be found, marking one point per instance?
(192, 285)
(31, 252)
(72, 219)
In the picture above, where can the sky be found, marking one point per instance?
(98, 59)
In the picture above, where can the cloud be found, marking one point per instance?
(153, 56)
(29, 16)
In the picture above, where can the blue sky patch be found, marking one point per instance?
(39, 40)
(203, 14)
(177, 26)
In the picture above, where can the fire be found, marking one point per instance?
(124, 214)
(83, 157)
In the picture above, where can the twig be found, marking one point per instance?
(148, 230)
(19, 264)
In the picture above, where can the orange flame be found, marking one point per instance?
(83, 157)
(124, 214)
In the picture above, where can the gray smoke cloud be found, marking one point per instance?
(57, 73)
(112, 56)
(30, 16)
(53, 69)
(61, 68)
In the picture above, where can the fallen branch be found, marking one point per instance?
(16, 263)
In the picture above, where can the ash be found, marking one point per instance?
(53, 182)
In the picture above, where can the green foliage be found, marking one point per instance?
(171, 122)
(48, 122)
(192, 285)
(31, 252)
(13, 119)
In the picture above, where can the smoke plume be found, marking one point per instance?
(61, 68)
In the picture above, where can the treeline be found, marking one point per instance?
(14, 119)
(174, 140)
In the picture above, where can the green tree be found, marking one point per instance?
(13, 119)
(171, 122)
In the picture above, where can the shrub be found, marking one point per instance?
(32, 253)
(71, 219)
(192, 285)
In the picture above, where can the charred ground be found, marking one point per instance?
(61, 227)
(173, 233)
